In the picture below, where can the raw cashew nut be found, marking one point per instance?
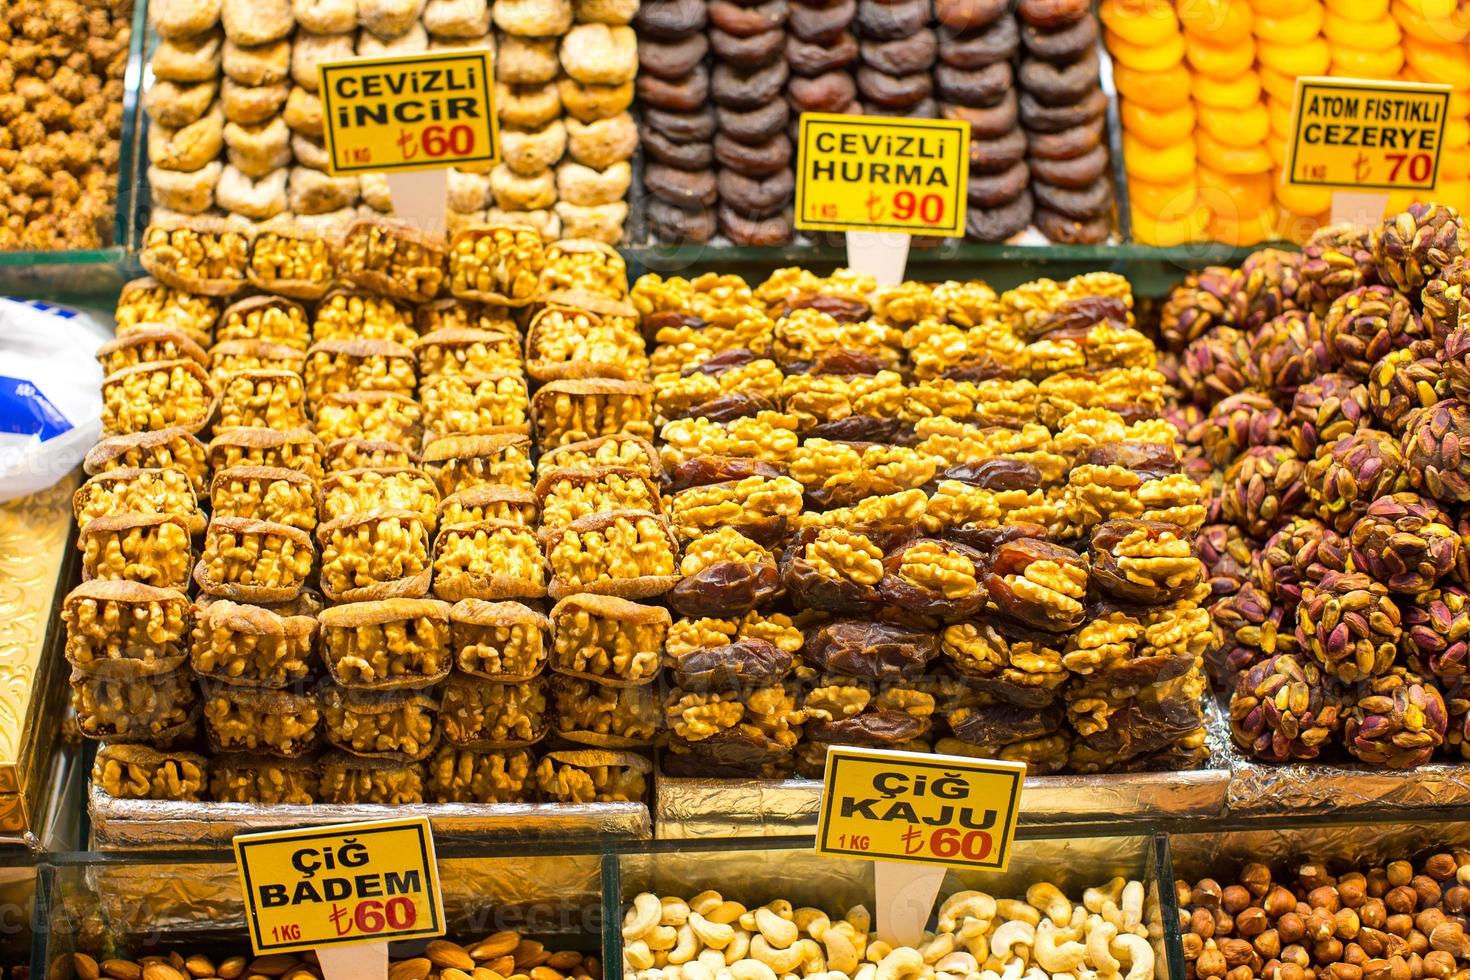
(726, 913)
(1013, 969)
(686, 948)
(937, 948)
(781, 907)
(842, 953)
(1132, 905)
(1093, 899)
(676, 912)
(1008, 935)
(965, 905)
(1049, 899)
(1056, 958)
(662, 938)
(866, 972)
(638, 955)
(715, 935)
(712, 959)
(1009, 908)
(1099, 935)
(861, 919)
(813, 959)
(899, 964)
(696, 970)
(811, 921)
(958, 962)
(974, 934)
(1035, 973)
(780, 960)
(1138, 953)
(641, 919)
(739, 946)
(877, 949)
(751, 970)
(706, 902)
(779, 932)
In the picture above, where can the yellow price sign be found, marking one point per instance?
(919, 808)
(870, 173)
(409, 112)
(1360, 135)
(347, 883)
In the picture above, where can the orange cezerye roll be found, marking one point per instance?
(1350, 62)
(1277, 146)
(1399, 201)
(1433, 21)
(1230, 159)
(1163, 201)
(1247, 229)
(1219, 21)
(1311, 58)
(1277, 8)
(1162, 165)
(1251, 192)
(1455, 193)
(1280, 87)
(1447, 63)
(1219, 60)
(1299, 228)
(1459, 97)
(1166, 232)
(1240, 92)
(1363, 10)
(1295, 28)
(1456, 134)
(1454, 164)
(1300, 200)
(1139, 21)
(1154, 89)
(1377, 35)
(1146, 57)
(1280, 114)
(1236, 127)
(1158, 127)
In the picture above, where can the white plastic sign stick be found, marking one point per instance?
(419, 198)
(368, 961)
(1358, 207)
(905, 896)
(881, 254)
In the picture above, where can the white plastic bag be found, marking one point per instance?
(50, 392)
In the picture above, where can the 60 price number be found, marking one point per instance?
(371, 916)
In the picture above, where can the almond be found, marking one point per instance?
(417, 968)
(495, 946)
(530, 953)
(122, 969)
(450, 973)
(162, 971)
(503, 965)
(273, 964)
(199, 966)
(446, 955)
(232, 967)
(86, 968)
(483, 974)
(545, 973)
(564, 960)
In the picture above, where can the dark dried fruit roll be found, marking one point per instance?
(1399, 721)
(754, 125)
(1038, 583)
(671, 59)
(1284, 709)
(1147, 562)
(808, 58)
(1349, 625)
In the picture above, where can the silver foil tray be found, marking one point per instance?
(156, 824)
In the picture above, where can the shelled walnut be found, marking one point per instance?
(391, 725)
(270, 318)
(608, 639)
(137, 772)
(371, 416)
(147, 303)
(488, 560)
(632, 554)
(197, 255)
(480, 713)
(564, 341)
(157, 395)
(469, 462)
(593, 776)
(590, 713)
(499, 640)
(361, 491)
(291, 262)
(243, 778)
(459, 775)
(265, 493)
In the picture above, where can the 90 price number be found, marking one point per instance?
(927, 208)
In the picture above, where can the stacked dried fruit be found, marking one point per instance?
(1326, 401)
(370, 441)
(722, 84)
(923, 516)
(1399, 919)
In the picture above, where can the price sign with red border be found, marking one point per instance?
(348, 883)
(923, 809)
(409, 112)
(870, 173)
(1364, 135)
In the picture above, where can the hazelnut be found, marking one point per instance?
(1235, 898)
(1183, 894)
(1319, 924)
(1342, 971)
(1401, 899)
(1352, 890)
(1441, 866)
(1378, 885)
(1313, 875)
(1291, 927)
(1237, 952)
(1353, 953)
(1374, 942)
(1207, 893)
(1327, 950)
(1418, 944)
(1456, 899)
(1192, 944)
(1373, 913)
(1211, 962)
(1296, 954)
(1202, 923)
(1279, 902)
(1268, 943)
(1462, 857)
(1426, 920)
(1428, 890)
(1399, 924)
(1224, 923)
(1438, 964)
(1345, 924)
(1324, 897)
(1243, 972)
(1288, 971)
(1399, 873)
(1256, 878)
(1250, 922)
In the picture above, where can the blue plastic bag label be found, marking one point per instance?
(25, 411)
